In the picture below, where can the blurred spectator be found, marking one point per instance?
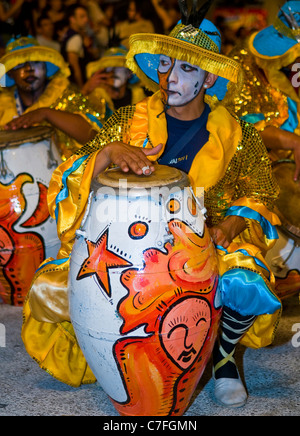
(60, 30)
(76, 44)
(168, 12)
(8, 12)
(55, 10)
(24, 23)
(111, 80)
(45, 33)
(38, 10)
(101, 18)
(135, 23)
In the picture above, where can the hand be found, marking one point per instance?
(23, 121)
(224, 233)
(126, 157)
(99, 78)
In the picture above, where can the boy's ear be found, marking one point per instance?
(210, 80)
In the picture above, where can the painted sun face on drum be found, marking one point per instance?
(179, 81)
(173, 274)
(184, 329)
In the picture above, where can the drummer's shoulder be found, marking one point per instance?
(7, 104)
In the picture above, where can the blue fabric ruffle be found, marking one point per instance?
(247, 293)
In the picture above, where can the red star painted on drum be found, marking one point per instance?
(99, 261)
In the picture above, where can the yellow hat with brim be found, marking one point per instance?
(197, 46)
(112, 58)
(27, 49)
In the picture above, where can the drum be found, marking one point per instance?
(144, 301)
(284, 257)
(27, 232)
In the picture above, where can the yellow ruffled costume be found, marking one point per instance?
(236, 167)
(266, 91)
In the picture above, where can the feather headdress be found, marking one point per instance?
(193, 11)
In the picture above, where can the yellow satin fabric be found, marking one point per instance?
(54, 347)
(44, 339)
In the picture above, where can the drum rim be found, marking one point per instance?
(182, 178)
(36, 133)
(289, 229)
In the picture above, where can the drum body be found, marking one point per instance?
(284, 257)
(144, 299)
(27, 232)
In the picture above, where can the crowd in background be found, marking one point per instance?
(99, 24)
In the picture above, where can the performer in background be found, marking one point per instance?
(176, 126)
(270, 98)
(36, 86)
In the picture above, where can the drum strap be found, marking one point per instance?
(182, 141)
(19, 105)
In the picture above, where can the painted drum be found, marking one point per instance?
(284, 257)
(143, 294)
(27, 232)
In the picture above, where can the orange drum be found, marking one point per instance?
(144, 299)
(284, 257)
(27, 233)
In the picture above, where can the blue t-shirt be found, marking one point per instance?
(184, 152)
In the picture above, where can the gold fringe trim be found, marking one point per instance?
(155, 44)
(106, 62)
(35, 54)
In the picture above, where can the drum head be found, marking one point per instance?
(288, 203)
(12, 138)
(162, 176)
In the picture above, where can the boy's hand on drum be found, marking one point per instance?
(27, 120)
(225, 232)
(126, 157)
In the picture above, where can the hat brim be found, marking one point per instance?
(53, 59)
(105, 62)
(270, 43)
(145, 49)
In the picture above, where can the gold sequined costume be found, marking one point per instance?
(236, 167)
(233, 168)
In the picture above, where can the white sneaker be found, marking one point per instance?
(230, 392)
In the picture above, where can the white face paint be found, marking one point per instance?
(120, 75)
(179, 81)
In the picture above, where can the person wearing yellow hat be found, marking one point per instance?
(176, 126)
(270, 100)
(109, 78)
(270, 97)
(34, 80)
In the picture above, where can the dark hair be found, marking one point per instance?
(71, 10)
(41, 18)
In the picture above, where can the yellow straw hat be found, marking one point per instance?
(194, 39)
(27, 49)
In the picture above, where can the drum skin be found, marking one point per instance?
(284, 257)
(143, 291)
(27, 232)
